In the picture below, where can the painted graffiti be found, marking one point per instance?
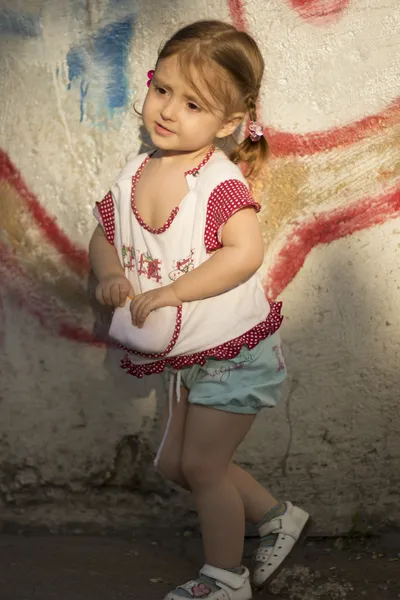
(324, 229)
(284, 144)
(99, 65)
(52, 287)
(305, 232)
(320, 11)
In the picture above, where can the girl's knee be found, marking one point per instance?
(200, 472)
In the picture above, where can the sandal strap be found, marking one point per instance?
(285, 524)
(274, 526)
(225, 578)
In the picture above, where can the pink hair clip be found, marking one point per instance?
(256, 131)
(150, 76)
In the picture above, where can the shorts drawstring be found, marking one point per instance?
(178, 386)
(178, 381)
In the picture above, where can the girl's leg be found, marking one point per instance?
(256, 499)
(170, 458)
(211, 438)
(224, 492)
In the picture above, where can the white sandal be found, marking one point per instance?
(289, 527)
(230, 586)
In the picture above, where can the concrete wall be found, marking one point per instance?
(77, 431)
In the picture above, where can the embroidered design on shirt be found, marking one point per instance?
(147, 265)
(128, 257)
(279, 357)
(182, 266)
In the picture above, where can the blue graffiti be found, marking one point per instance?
(109, 52)
(17, 24)
(84, 90)
(76, 64)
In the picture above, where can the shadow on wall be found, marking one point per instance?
(342, 402)
(133, 451)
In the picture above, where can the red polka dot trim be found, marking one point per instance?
(205, 160)
(223, 352)
(106, 211)
(226, 199)
(139, 219)
(175, 211)
(172, 343)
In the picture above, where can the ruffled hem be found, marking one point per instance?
(225, 351)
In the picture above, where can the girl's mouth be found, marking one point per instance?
(162, 130)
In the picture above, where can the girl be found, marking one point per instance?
(176, 253)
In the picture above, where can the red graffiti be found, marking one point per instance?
(283, 143)
(75, 257)
(46, 309)
(237, 11)
(319, 11)
(322, 229)
(326, 228)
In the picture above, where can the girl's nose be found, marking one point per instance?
(169, 110)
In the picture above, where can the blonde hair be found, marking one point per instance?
(234, 81)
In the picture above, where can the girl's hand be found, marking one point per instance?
(143, 304)
(113, 290)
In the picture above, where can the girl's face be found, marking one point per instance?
(176, 118)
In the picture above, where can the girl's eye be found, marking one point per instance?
(160, 90)
(193, 106)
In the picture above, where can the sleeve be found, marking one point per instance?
(104, 212)
(118, 200)
(225, 200)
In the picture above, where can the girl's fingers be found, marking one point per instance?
(115, 294)
(141, 307)
(106, 295)
(135, 306)
(123, 294)
(99, 295)
(146, 310)
(140, 310)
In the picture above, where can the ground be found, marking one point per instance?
(145, 566)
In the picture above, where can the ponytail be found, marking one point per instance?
(253, 151)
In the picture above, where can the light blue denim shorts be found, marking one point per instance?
(245, 384)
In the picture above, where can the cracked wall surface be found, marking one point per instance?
(79, 435)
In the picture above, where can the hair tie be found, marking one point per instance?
(150, 76)
(256, 131)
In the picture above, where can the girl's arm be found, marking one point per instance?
(113, 288)
(103, 256)
(240, 257)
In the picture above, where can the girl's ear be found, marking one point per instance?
(230, 125)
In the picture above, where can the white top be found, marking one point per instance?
(186, 335)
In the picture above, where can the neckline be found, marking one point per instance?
(193, 172)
